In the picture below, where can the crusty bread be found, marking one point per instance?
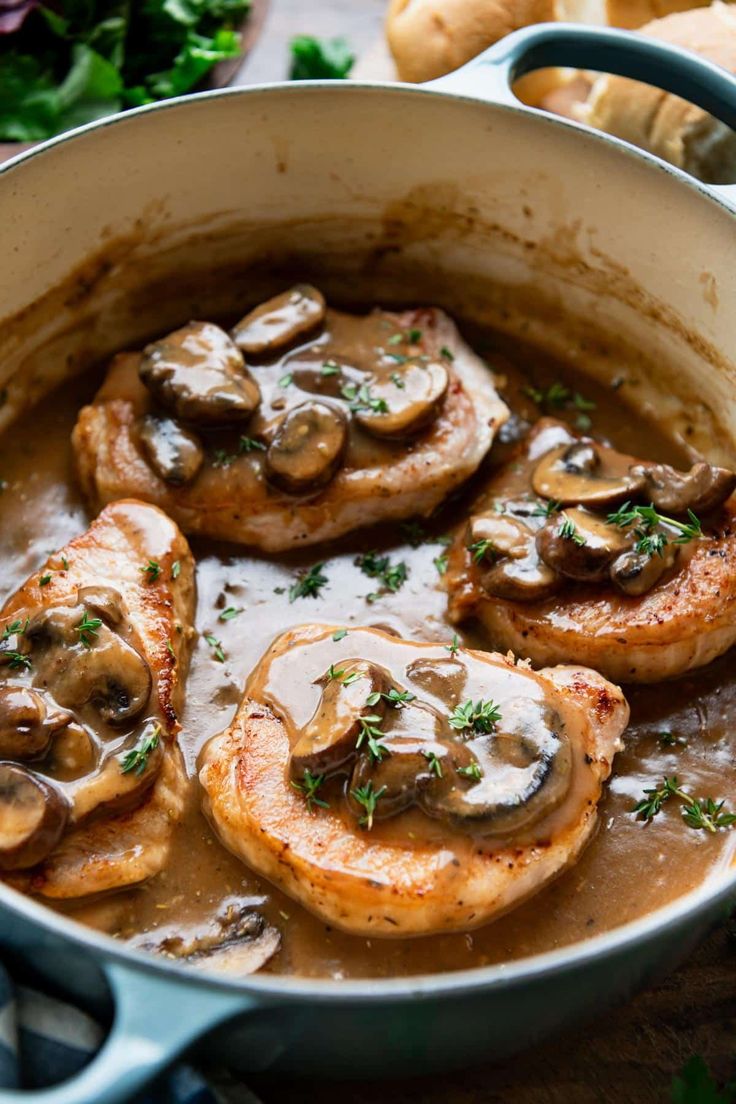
(431, 37)
(664, 124)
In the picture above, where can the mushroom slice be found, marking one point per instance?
(637, 572)
(105, 601)
(307, 448)
(329, 739)
(410, 767)
(105, 670)
(587, 474)
(33, 815)
(73, 754)
(174, 453)
(403, 403)
(280, 321)
(526, 769)
(27, 724)
(123, 780)
(499, 535)
(579, 545)
(199, 375)
(703, 489)
(241, 943)
(527, 580)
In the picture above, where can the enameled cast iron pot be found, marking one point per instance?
(452, 193)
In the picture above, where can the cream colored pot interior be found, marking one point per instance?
(506, 218)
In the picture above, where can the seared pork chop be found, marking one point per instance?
(368, 419)
(575, 553)
(93, 655)
(398, 789)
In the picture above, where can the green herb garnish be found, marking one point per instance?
(309, 583)
(434, 764)
(647, 518)
(568, 532)
(136, 760)
(152, 570)
(175, 569)
(392, 575)
(308, 787)
(454, 646)
(370, 734)
(471, 771)
(87, 629)
(481, 716)
(216, 646)
(339, 634)
(229, 613)
(368, 798)
(697, 812)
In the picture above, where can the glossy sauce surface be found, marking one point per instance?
(630, 868)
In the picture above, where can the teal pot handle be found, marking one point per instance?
(601, 49)
(157, 1016)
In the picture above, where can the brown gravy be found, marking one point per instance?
(629, 869)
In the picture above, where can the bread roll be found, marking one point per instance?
(664, 124)
(431, 37)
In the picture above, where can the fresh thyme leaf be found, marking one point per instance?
(368, 798)
(392, 575)
(330, 368)
(44, 580)
(339, 634)
(286, 380)
(229, 613)
(447, 353)
(87, 629)
(413, 336)
(481, 716)
(370, 735)
(309, 583)
(480, 549)
(583, 422)
(175, 569)
(471, 771)
(454, 646)
(170, 649)
(360, 398)
(136, 760)
(338, 675)
(216, 646)
(547, 509)
(152, 570)
(16, 660)
(15, 628)
(395, 697)
(65, 563)
(646, 518)
(308, 787)
(434, 764)
(440, 562)
(395, 339)
(568, 532)
(581, 403)
(698, 812)
(249, 444)
(397, 380)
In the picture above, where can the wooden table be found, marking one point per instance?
(627, 1056)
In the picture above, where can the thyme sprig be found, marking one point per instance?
(136, 760)
(392, 575)
(87, 629)
(309, 583)
(370, 734)
(308, 787)
(368, 798)
(481, 716)
(647, 518)
(698, 812)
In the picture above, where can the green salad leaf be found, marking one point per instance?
(320, 59)
(84, 59)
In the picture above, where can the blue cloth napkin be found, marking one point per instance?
(44, 1041)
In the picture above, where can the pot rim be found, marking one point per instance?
(294, 988)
